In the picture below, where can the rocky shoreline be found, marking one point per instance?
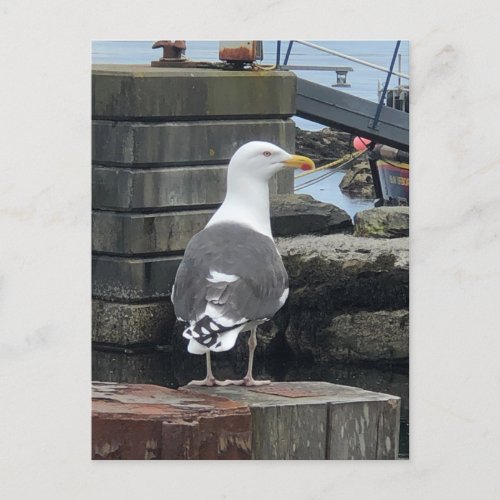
(349, 293)
(322, 145)
(348, 298)
(328, 144)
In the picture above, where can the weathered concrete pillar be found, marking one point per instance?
(161, 142)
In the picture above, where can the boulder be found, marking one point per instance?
(344, 250)
(326, 144)
(383, 222)
(348, 298)
(293, 214)
(358, 181)
(361, 336)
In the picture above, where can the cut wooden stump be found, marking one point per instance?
(144, 422)
(317, 420)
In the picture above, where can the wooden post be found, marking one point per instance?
(317, 420)
(281, 421)
(149, 422)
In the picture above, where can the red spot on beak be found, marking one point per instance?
(305, 166)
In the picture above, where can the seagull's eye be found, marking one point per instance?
(267, 153)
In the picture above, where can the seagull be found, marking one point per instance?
(232, 278)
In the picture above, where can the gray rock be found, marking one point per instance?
(345, 249)
(359, 336)
(383, 222)
(332, 279)
(358, 181)
(326, 144)
(293, 214)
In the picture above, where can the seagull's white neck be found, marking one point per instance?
(247, 201)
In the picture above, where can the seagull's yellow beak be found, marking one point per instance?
(302, 162)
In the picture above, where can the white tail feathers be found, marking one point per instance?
(223, 341)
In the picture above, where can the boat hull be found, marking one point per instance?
(392, 182)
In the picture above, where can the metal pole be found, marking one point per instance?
(278, 53)
(354, 59)
(399, 69)
(288, 52)
(382, 97)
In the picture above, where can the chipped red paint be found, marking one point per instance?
(144, 422)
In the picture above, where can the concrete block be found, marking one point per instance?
(182, 143)
(117, 188)
(126, 324)
(124, 92)
(284, 181)
(136, 233)
(132, 280)
(131, 189)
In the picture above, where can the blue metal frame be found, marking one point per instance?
(290, 45)
(278, 53)
(376, 118)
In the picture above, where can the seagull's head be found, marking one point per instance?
(262, 160)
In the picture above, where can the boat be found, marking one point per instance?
(390, 169)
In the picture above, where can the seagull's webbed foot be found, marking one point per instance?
(229, 382)
(208, 381)
(250, 381)
(212, 381)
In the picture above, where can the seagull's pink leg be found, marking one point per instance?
(209, 380)
(252, 344)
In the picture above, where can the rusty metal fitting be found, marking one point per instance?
(172, 50)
